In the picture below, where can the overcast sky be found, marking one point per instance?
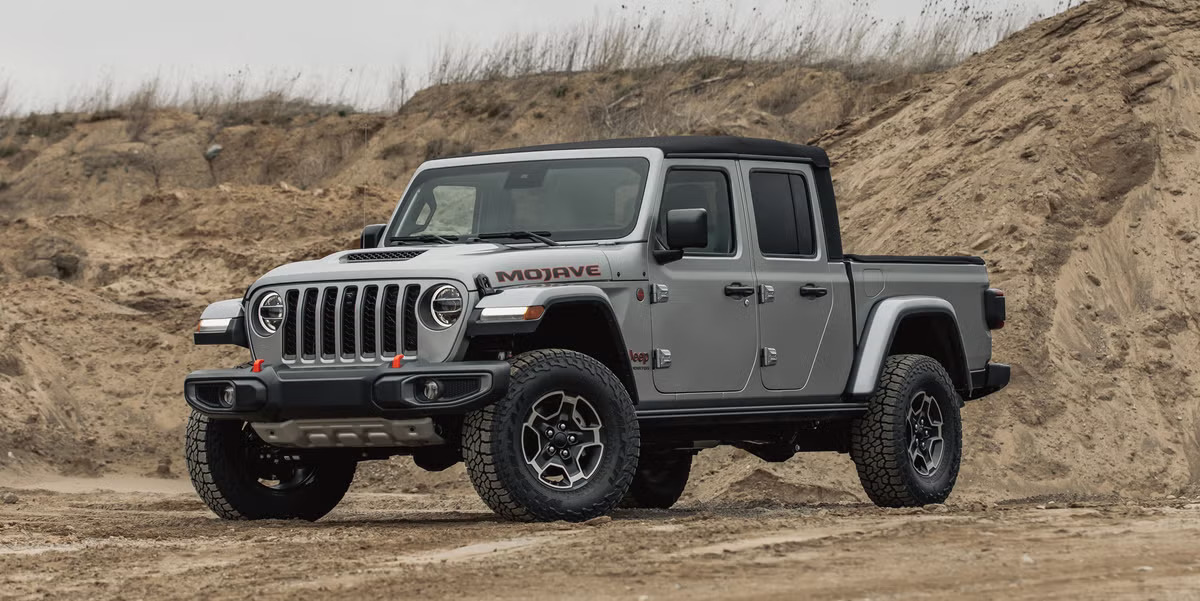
(54, 50)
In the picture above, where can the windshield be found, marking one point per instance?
(563, 199)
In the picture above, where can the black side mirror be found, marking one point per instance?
(685, 228)
(371, 235)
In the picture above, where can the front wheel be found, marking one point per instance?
(240, 477)
(908, 445)
(563, 444)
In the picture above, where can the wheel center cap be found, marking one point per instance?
(559, 440)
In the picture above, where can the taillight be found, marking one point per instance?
(993, 308)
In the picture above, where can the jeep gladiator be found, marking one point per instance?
(575, 322)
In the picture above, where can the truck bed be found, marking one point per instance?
(961, 280)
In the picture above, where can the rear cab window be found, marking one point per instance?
(782, 214)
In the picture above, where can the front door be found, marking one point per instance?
(703, 318)
(795, 295)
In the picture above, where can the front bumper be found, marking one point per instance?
(279, 393)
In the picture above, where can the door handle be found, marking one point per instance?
(737, 290)
(811, 291)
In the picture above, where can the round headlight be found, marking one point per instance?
(445, 305)
(270, 313)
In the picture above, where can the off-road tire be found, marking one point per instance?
(492, 438)
(660, 480)
(879, 439)
(220, 473)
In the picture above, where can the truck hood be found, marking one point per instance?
(504, 266)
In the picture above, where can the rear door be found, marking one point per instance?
(702, 315)
(795, 293)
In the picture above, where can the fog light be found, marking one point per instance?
(432, 390)
(228, 395)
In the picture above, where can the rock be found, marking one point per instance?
(51, 256)
(11, 499)
(1093, 279)
(164, 468)
(213, 152)
(286, 187)
(598, 521)
(1145, 569)
(1027, 559)
(1189, 236)
(983, 242)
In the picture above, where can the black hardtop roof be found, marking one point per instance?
(695, 147)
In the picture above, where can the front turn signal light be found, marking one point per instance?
(494, 314)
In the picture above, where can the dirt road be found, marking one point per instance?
(130, 544)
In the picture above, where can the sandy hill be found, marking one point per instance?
(1067, 156)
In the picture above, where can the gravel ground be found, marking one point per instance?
(127, 543)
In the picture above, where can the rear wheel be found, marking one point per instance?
(240, 477)
(908, 445)
(660, 479)
(563, 443)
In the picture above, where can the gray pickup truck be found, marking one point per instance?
(576, 321)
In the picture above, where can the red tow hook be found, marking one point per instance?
(397, 361)
(258, 363)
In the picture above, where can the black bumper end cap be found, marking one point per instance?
(989, 379)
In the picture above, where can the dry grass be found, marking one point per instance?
(840, 37)
(845, 38)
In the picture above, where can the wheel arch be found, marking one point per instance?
(922, 325)
(577, 317)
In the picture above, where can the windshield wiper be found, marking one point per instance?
(541, 236)
(425, 238)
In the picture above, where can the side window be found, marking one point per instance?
(804, 215)
(782, 214)
(702, 189)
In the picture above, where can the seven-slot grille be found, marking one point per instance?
(367, 322)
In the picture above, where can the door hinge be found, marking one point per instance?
(769, 356)
(660, 293)
(766, 293)
(662, 358)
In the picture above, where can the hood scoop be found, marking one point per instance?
(381, 255)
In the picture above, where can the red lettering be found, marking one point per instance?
(593, 270)
(509, 276)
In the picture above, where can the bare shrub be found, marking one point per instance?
(139, 108)
(7, 110)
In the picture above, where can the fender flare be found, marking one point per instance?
(550, 297)
(882, 324)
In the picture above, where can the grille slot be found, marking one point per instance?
(349, 303)
(350, 322)
(370, 300)
(329, 322)
(308, 327)
(411, 294)
(391, 311)
(289, 327)
(383, 255)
